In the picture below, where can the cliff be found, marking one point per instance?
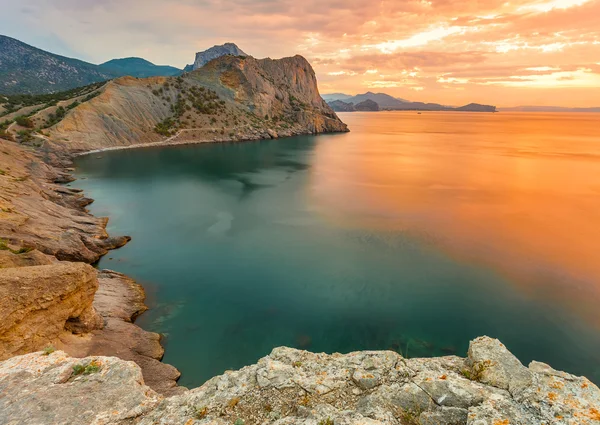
(65, 304)
(292, 386)
(230, 98)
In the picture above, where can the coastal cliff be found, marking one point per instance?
(231, 98)
(289, 386)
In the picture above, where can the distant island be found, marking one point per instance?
(370, 101)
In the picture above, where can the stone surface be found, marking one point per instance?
(298, 387)
(36, 213)
(119, 300)
(39, 304)
(38, 389)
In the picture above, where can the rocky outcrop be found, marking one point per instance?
(231, 98)
(292, 386)
(45, 302)
(38, 389)
(40, 303)
(36, 213)
(202, 58)
(120, 300)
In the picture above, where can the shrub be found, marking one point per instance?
(24, 121)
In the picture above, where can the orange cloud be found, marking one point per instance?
(451, 52)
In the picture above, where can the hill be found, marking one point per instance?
(230, 98)
(335, 96)
(387, 102)
(26, 69)
(138, 67)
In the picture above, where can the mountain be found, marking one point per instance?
(214, 52)
(230, 98)
(138, 67)
(547, 109)
(341, 106)
(367, 105)
(26, 69)
(476, 107)
(335, 96)
(385, 101)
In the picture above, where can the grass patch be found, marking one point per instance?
(48, 350)
(4, 247)
(92, 367)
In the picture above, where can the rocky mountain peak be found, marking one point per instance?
(217, 51)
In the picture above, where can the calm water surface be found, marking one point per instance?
(413, 232)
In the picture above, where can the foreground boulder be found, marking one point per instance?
(297, 387)
(39, 304)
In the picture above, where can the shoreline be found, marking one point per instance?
(169, 143)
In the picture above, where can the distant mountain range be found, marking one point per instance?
(347, 103)
(138, 67)
(25, 69)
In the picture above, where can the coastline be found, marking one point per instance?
(80, 237)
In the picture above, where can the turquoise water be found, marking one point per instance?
(336, 243)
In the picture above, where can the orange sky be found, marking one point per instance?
(506, 53)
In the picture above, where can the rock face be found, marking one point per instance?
(40, 303)
(36, 213)
(46, 302)
(202, 58)
(120, 300)
(231, 98)
(297, 387)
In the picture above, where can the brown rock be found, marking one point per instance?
(120, 300)
(40, 303)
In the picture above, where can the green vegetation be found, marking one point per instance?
(239, 421)
(48, 350)
(24, 121)
(4, 247)
(13, 103)
(327, 421)
(24, 136)
(410, 417)
(476, 372)
(92, 367)
(56, 117)
(164, 127)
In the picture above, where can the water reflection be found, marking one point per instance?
(514, 191)
(413, 232)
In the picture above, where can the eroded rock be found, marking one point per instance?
(38, 304)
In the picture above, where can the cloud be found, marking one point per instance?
(444, 51)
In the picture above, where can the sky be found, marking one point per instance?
(504, 53)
